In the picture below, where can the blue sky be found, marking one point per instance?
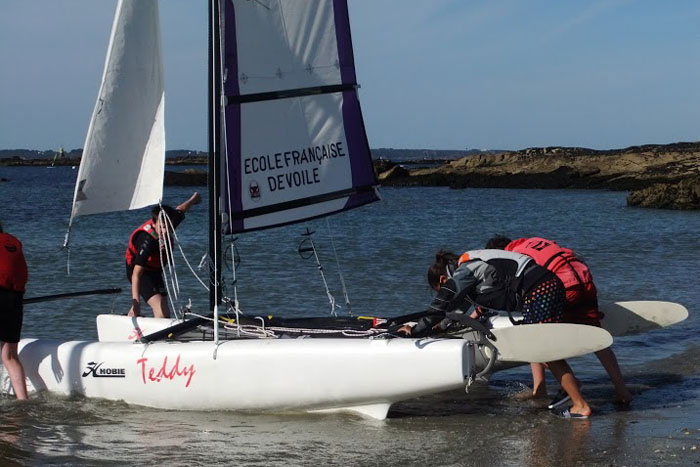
(438, 74)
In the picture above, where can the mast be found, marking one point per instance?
(214, 176)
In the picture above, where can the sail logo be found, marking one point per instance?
(155, 373)
(97, 371)
(254, 190)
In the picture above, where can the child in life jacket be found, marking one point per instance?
(143, 257)
(500, 280)
(581, 306)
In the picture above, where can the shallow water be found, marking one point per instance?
(383, 250)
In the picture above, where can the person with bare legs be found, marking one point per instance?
(13, 279)
(498, 280)
(581, 306)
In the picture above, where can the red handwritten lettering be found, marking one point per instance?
(155, 374)
(135, 334)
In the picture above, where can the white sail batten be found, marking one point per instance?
(124, 153)
(295, 139)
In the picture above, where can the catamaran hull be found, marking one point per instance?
(357, 375)
(620, 318)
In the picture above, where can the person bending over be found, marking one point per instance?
(581, 306)
(499, 280)
(143, 267)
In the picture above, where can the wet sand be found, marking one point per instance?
(660, 427)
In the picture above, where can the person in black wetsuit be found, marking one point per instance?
(500, 280)
(143, 268)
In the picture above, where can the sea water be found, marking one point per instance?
(381, 253)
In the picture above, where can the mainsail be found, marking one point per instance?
(124, 152)
(295, 142)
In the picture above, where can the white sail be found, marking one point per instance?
(124, 153)
(295, 141)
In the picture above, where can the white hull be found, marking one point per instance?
(521, 344)
(357, 375)
(120, 328)
(620, 319)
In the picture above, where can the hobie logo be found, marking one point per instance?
(97, 371)
(161, 370)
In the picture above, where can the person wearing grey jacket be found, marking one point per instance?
(499, 280)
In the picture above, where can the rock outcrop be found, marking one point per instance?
(188, 177)
(682, 195)
(633, 168)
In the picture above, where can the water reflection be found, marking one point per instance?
(562, 442)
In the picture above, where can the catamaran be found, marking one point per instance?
(286, 143)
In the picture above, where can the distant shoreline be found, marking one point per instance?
(29, 157)
(665, 176)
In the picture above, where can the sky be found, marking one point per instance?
(437, 74)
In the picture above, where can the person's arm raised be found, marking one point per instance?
(194, 199)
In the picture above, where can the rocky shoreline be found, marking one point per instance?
(657, 176)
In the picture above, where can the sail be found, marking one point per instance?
(124, 152)
(295, 143)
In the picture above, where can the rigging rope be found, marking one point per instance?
(66, 245)
(236, 308)
(319, 266)
(275, 331)
(340, 272)
(166, 243)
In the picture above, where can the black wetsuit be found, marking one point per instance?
(505, 281)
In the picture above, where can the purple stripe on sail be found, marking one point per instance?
(360, 199)
(232, 117)
(358, 146)
(344, 40)
(355, 134)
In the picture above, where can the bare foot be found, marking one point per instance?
(524, 395)
(585, 411)
(540, 391)
(527, 394)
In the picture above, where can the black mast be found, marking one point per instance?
(214, 154)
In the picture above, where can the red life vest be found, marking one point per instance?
(153, 261)
(13, 267)
(561, 261)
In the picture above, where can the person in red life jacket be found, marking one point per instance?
(581, 305)
(13, 279)
(143, 269)
(500, 280)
